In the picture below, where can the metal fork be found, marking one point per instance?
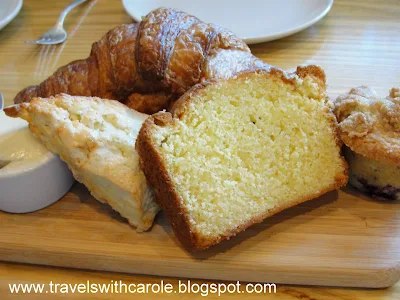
(57, 33)
(1, 101)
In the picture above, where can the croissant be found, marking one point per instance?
(150, 64)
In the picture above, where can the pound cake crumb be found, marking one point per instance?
(233, 152)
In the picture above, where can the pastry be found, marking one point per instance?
(150, 64)
(370, 129)
(232, 152)
(96, 138)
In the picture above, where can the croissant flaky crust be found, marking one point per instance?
(149, 64)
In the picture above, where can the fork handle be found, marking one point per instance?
(65, 12)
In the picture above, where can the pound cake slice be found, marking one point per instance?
(96, 138)
(233, 152)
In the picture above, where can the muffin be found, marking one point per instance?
(370, 129)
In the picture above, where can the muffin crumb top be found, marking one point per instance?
(369, 124)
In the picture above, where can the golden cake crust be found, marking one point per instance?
(370, 125)
(166, 194)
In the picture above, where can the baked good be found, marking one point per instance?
(370, 128)
(150, 64)
(96, 138)
(233, 152)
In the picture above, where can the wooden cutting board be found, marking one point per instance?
(340, 239)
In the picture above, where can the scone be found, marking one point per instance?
(233, 152)
(96, 138)
(370, 129)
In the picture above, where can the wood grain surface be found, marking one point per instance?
(17, 273)
(340, 239)
(357, 43)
